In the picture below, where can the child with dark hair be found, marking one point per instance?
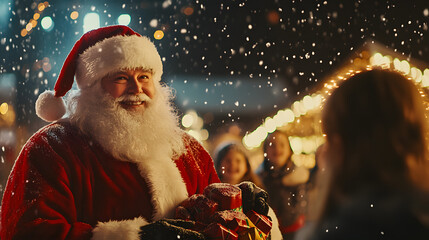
(232, 164)
(376, 160)
(285, 183)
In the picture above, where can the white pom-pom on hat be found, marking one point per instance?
(49, 107)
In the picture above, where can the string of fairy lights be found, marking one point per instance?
(32, 23)
(91, 20)
(304, 147)
(312, 103)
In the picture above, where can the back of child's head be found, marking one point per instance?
(378, 116)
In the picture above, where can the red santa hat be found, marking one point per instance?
(96, 54)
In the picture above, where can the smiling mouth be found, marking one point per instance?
(132, 103)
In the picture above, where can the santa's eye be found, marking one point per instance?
(144, 77)
(120, 79)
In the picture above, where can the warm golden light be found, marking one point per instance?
(74, 15)
(425, 81)
(289, 115)
(308, 145)
(270, 125)
(24, 32)
(187, 120)
(29, 27)
(4, 107)
(204, 134)
(33, 23)
(158, 35)
(416, 74)
(194, 134)
(425, 78)
(379, 60)
(41, 7)
(36, 16)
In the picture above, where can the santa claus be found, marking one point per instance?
(114, 159)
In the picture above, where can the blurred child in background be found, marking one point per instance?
(232, 164)
(285, 183)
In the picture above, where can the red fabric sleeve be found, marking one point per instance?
(38, 202)
(204, 156)
(196, 167)
(212, 174)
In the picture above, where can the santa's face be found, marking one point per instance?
(125, 84)
(133, 119)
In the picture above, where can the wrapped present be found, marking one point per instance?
(182, 213)
(215, 231)
(234, 220)
(252, 233)
(226, 195)
(223, 217)
(199, 207)
(262, 222)
(238, 225)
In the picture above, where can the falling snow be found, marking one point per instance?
(209, 46)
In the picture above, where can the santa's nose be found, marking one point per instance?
(134, 86)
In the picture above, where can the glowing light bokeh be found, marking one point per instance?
(91, 21)
(158, 35)
(124, 19)
(74, 15)
(47, 23)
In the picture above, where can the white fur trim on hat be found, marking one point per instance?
(113, 230)
(115, 53)
(49, 107)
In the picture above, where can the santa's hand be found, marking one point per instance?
(170, 229)
(254, 198)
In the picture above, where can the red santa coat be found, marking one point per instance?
(65, 186)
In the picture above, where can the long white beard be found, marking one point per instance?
(135, 136)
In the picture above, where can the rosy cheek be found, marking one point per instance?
(152, 92)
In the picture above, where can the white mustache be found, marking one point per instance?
(141, 97)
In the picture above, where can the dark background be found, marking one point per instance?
(231, 61)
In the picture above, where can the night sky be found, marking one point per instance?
(240, 60)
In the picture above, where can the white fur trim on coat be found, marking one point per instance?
(115, 53)
(275, 230)
(167, 187)
(124, 230)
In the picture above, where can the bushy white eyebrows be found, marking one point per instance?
(127, 73)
